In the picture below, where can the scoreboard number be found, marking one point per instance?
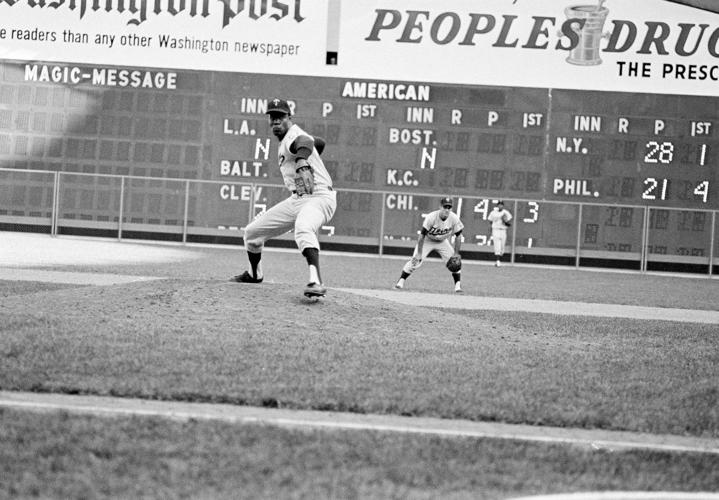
(656, 189)
(659, 153)
(533, 209)
(482, 208)
(663, 153)
(703, 155)
(652, 183)
(702, 190)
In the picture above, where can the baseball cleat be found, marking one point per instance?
(399, 286)
(315, 290)
(245, 278)
(458, 290)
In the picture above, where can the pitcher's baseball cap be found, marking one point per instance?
(446, 201)
(277, 105)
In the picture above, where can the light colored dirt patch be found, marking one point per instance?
(44, 276)
(70, 278)
(455, 301)
(39, 250)
(606, 441)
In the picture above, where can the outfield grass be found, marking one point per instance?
(205, 340)
(197, 337)
(62, 456)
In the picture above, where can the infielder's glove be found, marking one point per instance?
(454, 263)
(304, 178)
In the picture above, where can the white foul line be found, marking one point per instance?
(598, 440)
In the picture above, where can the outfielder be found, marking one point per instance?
(437, 230)
(311, 204)
(499, 219)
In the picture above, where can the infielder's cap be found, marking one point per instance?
(499, 202)
(277, 105)
(446, 201)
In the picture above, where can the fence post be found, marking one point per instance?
(381, 224)
(712, 243)
(250, 216)
(55, 204)
(122, 208)
(514, 232)
(644, 254)
(186, 211)
(580, 214)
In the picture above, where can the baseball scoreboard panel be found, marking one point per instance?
(632, 160)
(649, 149)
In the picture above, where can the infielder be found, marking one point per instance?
(311, 204)
(499, 219)
(437, 230)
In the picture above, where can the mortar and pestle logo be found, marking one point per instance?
(586, 52)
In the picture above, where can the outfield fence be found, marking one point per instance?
(576, 234)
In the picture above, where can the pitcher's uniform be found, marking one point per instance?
(499, 229)
(305, 214)
(439, 234)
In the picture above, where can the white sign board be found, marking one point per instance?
(651, 46)
(640, 45)
(263, 36)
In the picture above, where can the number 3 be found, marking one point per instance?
(533, 212)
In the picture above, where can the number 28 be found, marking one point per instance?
(659, 153)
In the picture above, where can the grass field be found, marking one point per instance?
(196, 337)
(88, 457)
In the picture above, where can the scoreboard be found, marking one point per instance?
(548, 149)
(648, 149)
(540, 144)
(393, 148)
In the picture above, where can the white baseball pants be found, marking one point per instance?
(303, 214)
(499, 238)
(444, 248)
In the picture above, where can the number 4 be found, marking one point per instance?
(702, 190)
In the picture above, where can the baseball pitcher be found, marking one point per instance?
(311, 204)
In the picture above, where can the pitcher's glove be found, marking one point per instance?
(454, 263)
(304, 178)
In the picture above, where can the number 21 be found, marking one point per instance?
(648, 193)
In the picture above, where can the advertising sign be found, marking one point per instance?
(653, 46)
(277, 36)
(642, 46)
